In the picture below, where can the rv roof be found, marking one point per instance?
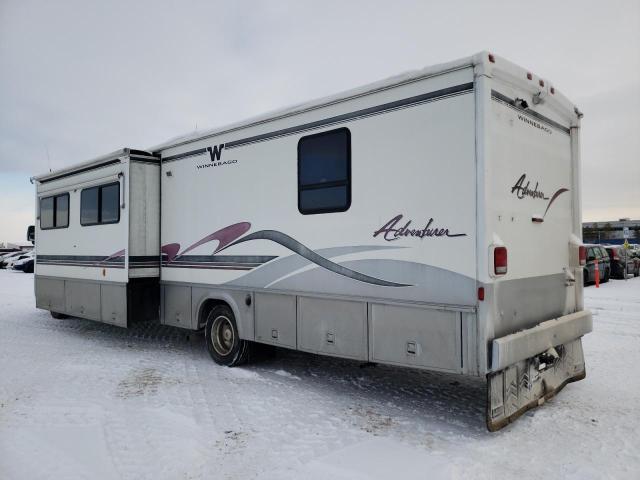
(482, 58)
(488, 63)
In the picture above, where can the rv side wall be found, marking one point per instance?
(389, 279)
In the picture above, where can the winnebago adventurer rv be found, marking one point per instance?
(431, 221)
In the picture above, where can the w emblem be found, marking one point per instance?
(215, 152)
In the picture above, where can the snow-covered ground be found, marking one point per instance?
(84, 400)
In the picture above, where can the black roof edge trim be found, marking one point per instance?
(81, 170)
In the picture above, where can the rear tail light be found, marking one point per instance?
(582, 255)
(500, 260)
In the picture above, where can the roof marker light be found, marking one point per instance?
(492, 59)
(552, 90)
(541, 82)
(529, 76)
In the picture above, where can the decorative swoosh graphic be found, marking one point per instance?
(303, 251)
(228, 236)
(553, 197)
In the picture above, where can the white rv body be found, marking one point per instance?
(444, 167)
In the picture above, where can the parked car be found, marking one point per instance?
(597, 254)
(25, 264)
(10, 258)
(634, 250)
(622, 263)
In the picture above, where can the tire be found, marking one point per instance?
(607, 275)
(58, 316)
(223, 341)
(586, 277)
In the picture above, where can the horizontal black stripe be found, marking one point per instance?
(379, 109)
(80, 258)
(180, 156)
(509, 101)
(366, 112)
(79, 264)
(144, 258)
(257, 259)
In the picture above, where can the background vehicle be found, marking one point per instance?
(392, 223)
(622, 263)
(8, 260)
(597, 254)
(25, 264)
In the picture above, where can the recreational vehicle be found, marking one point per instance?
(431, 221)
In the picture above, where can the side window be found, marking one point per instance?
(54, 212)
(46, 213)
(100, 205)
(324, 172)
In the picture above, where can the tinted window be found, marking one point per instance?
(324, 172)
(100, 204)
(54, 211)
(62, 210)
(110, 205)
(46, 213)
(89, 206)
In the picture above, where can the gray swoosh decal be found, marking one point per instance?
(297, 247)
(281, 267)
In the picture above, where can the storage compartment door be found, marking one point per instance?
(414, 336)
(114, 304)
(83, 299)
(276, 319)
(177, 306)
(50, 294)
(332, 327)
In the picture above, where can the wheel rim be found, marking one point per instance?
(222, 335)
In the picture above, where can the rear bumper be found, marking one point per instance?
(522, 378)
(506, 351)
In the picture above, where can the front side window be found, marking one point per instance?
(54, 212)
(100, 205)
(324, 172)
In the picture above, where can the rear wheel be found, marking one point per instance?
(223, 341)
(607, 275)
(586, 277)
(58, 316)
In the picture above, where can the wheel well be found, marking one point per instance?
(206, 307)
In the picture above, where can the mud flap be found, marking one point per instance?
(529, 383)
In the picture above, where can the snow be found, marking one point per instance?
(80, 399)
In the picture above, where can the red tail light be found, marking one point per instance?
(582, 255)
(500, 260)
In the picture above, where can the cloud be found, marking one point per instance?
(80, 79)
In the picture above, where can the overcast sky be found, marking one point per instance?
(82, 78)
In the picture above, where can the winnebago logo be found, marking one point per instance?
(393, 230)
(215, 153)
(522, 190)
(535, 124)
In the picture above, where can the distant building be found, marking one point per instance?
(611, 231)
